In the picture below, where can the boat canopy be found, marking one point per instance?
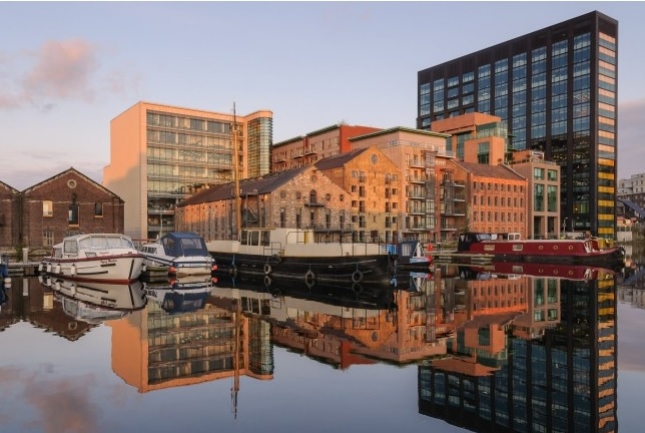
(178, 244)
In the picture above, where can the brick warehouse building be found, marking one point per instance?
(64, 203)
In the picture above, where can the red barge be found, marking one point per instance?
(510, 247)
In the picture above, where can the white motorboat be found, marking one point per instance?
(98, 257)
(178, 253)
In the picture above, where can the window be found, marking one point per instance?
(98, 209)
(72, 216)
(48, 238)
(48, 208)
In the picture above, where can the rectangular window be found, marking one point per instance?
(98, 209)
(538, 202)
(48, 238)
(48, 208)
(538, 173)
(72, 217)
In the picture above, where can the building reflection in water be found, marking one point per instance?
(506, 347)
(531, 353)
(186, 336)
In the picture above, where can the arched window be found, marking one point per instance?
(313, 199)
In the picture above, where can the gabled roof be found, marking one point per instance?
(259, 185)
(77, 173)
(8, 187)
(492, 171)
(338, 160)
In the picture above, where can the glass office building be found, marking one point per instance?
(161, 154)
(556, 89)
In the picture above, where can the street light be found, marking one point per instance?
(564, 225)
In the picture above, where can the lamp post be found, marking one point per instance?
(564, 225)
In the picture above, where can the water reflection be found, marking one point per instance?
(531, 354)
(501, 347)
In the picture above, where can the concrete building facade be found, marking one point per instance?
(543, 195)
(160, 154)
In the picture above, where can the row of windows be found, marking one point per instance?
(498, 216)
(48, 210)
(502, 187)
(195, 124)
(493, 201)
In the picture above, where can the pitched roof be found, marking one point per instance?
(77, 173)
(338, 160)
(258, 185)
(493, 171)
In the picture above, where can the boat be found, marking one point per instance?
(512, 270)
(178, 254)
(96, 257)
(410, 255)
(96, 302)
(292, 254)
(510, 247)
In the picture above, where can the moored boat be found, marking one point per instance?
(178, 253)
(96, 257)
(291, 254)
(410, 255)
(590, 251)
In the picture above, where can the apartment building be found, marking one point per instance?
(314, 146)
(417, 154)
(161, 154)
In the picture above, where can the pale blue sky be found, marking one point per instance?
(67, 69)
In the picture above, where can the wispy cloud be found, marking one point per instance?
(63, 70)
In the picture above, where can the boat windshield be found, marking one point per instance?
(104, 242)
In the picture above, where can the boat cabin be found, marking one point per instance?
(181, 244)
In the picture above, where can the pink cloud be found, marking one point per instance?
(63, 70)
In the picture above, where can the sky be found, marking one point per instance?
(67, 69)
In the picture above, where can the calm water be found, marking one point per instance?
(462, 349)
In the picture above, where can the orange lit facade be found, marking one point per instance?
(305, 150)
(415, 152)
(161, 154)
(496, 197)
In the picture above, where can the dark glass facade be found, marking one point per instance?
(563, 381)
(556, 89)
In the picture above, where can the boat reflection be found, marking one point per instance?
(516, 269)
(95, 302)
(181, 295)
(532, 353)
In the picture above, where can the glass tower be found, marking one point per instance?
(556, 90)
